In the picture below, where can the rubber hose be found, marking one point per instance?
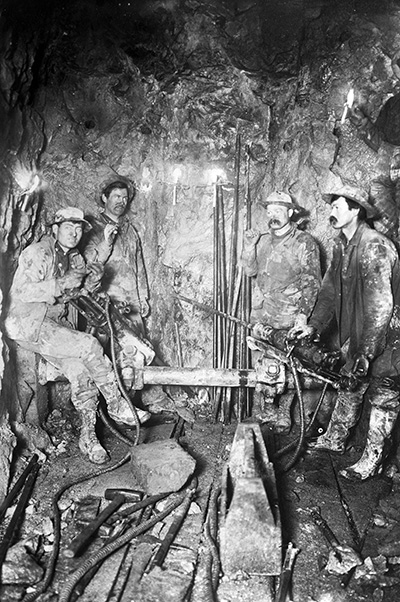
(57, 527)
(293, 444)
(108, 549)
(116, 372)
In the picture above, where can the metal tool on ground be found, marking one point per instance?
(345, 557)
(81, 540)
(18, 513)
(286, 573)
(16, 488)
(250, 535)
(176, 524)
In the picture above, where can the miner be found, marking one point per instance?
(115, 242)
(49, 273)
(285, 263)
(356, 294)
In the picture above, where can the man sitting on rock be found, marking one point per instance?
(49, 273)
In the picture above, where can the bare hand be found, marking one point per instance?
(110, 232)
(302, 331)
(72, 279)
(250, 238)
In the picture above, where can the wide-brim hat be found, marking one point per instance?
(353, 193)
(279, 198)
(70, 214)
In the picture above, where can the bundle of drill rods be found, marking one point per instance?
(231, 294)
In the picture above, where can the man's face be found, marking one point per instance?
(341, 215)
(115, 204)
(68, 234)
(278, 216)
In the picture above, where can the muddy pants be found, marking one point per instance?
(79, 356)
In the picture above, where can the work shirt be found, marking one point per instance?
(35, 292)
(124, 278)
(288, 276)
(356, 292)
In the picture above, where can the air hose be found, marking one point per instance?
(111, 547)
(120, 384)
(57, 527)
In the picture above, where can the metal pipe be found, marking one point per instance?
(16, 488)
(17, 515)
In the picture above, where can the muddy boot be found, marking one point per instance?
(344, 416)
(381, 423)
(263, 410)
(119, 409)
(89, 445)
(283, 422)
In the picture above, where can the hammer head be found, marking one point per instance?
(130, 495)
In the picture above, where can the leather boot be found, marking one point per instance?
(283, 422)
(118, 408)
(344, 416)
(88, 442)
(381, 423)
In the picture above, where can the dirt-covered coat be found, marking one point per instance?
(360, 278)
(287, 275)
(124, 278)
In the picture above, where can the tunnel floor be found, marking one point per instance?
(360, 515)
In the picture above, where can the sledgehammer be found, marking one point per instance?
(118, 497)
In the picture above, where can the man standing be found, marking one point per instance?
(115, 242)
(285, 263)
(49, 273)
(357, 294)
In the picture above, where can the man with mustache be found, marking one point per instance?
(286, 266)
(51, 272)
(115, 243)
(356, 294)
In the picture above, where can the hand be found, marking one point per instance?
(261, 331)
(72, 279)
(360, 365)
(250, 239)
(303, 331)
(110, 232)
(144, 308)
(95, 270)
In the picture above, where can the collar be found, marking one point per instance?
(355, 239)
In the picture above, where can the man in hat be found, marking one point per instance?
(49, 273)
(286, 266)
(115, 242)
(356, 293)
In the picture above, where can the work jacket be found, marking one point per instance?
(35, 291)
(364, 267)
(124, 278)
(288, 276)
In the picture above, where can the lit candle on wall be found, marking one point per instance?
(176, 175)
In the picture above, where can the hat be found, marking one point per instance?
(279, 198)
(71, 214)
(353, 194)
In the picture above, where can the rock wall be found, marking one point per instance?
(159, 92)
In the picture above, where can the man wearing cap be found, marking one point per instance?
(356, 294)
(115, 242)
(286, 265)
(49, 273)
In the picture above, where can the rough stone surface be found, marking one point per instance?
(161, 466)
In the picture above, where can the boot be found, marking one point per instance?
(89, 445)
(344, 416)
(381, 423)
(283, 422)
(118, 408)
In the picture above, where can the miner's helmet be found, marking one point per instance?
(70, 214)
(353, 193)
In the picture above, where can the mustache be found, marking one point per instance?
(274, 222)
(332, 220)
